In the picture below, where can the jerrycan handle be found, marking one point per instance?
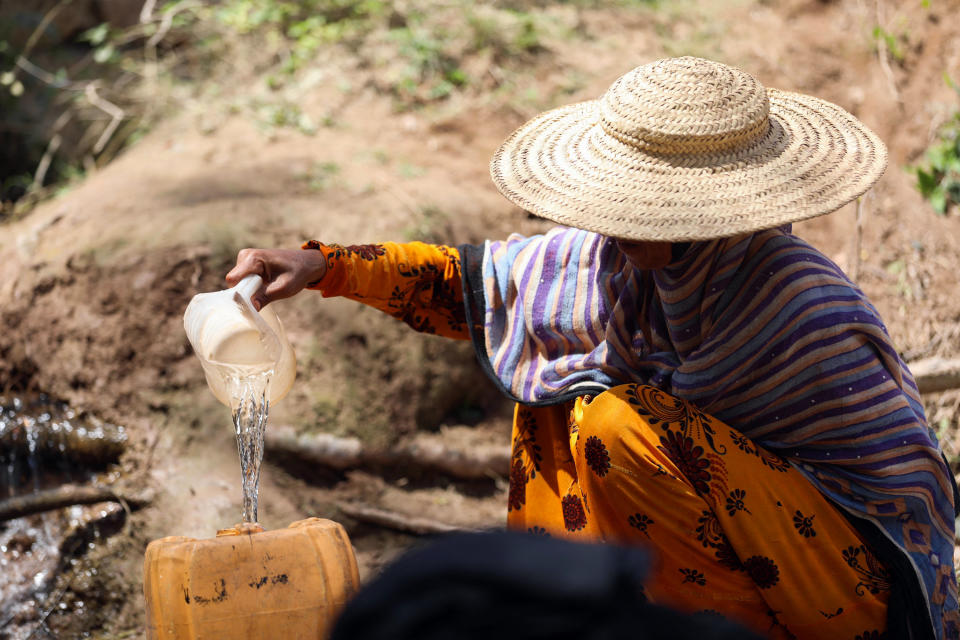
(242, 294)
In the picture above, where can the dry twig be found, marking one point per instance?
(44, 23)
(882, 58)
(116, 114)
(422, 453)
(64, 496)
(934, 375)
(52, 147)
(857, 242)
(397, 521)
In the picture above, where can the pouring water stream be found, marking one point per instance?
(248, 364)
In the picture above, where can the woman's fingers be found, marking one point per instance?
(284, 271)
(283, 286)
(249, 262)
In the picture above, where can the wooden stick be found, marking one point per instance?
(397, 521)
(857, 242)
(63, 496)
(934, 375)
(89, 443)
(421, 452)
(116, 115)
(320, 448)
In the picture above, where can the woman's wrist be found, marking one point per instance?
(315, 262)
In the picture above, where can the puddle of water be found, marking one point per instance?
(39, 555)
(43, 444)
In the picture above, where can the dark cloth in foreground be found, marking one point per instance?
(518, 586)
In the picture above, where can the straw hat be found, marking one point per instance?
(688, 149)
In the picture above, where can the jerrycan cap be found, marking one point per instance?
(239, 529)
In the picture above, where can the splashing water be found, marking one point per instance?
(44, 444)
(248, 398)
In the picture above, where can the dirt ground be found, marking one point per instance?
(93, 283)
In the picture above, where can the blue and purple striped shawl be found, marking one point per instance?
(761, 331)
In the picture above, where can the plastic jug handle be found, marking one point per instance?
(248, 286)
(241, 294)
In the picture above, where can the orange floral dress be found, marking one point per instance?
(733, 528)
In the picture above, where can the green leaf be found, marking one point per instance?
(97, 35)
(952, 165)
(926, 182)
(953, 191)
(937, 155)
(950, 82)
(103, 54)
(938, 200)
(457, 77)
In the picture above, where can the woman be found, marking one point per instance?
(689, 375)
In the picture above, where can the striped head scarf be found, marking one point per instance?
(763, 332)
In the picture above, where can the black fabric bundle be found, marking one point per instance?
(517, 586)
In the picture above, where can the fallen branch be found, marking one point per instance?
(116, 115)
(475, 463)
(421, 452)
(42, 27)
(52, 147)
(87, 442)
(64, 496)
(397, 521)
(146, 11)
(41, 173)
(857, 242)
(936, 374)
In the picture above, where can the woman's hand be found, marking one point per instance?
(284, 271)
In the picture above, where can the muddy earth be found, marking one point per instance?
(94, 281)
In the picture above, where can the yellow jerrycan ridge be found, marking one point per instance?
(250, 584)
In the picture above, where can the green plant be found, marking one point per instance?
(939, 180)
(431, 224)
(430, 72)
(892, 42)
(593, 4)
(321, 175)
(410, 170)
(80, 105)
(505, 33)
(285, 114)
(295, 31)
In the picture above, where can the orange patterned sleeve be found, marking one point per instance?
(414, 282)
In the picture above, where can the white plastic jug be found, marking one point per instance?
(233, 340)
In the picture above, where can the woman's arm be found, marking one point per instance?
(414, 282)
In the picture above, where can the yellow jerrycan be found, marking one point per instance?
(249, 584)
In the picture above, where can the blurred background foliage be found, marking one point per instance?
(79, 79)
(938, 178)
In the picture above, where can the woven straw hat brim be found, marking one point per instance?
(565, 167)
